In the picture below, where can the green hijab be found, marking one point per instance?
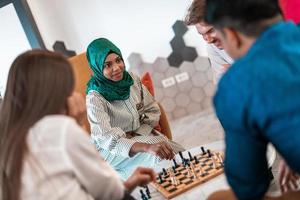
(96, 54)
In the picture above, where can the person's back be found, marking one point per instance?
(269, 95)
(54, 166)
(258, 99)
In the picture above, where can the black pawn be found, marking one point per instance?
(191, 157)
(203, 150)
(196, 160)
(143, 195)
(175, 163)
(186, 162)
(209, 153)
(148, 192)
(174, 169)
(165, 171)
(160, 179)
(181, 156)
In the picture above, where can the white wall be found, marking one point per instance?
(12, 39)
(140, 26)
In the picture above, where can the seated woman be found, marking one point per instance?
(122, 113)
(44, 153)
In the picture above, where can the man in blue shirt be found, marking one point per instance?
(258, 99)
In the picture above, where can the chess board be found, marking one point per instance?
(207, 168)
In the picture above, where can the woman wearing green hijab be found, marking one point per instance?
(122, 113)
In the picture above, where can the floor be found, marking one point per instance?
(203, 128)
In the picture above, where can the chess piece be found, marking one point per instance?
(174, 169)
(189, 171)
(173, 179)
(203, 150)
(220, 158)
(182, 158)
(160, 179)
(191, 157)
(144, 197)
(196, 160)
(214, 162)
(148, 192)
(201, 170)
(193, 171)
(185, 162)
(175, 163)
(209, 153)
(165, 172)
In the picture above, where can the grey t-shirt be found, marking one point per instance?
(218, 58)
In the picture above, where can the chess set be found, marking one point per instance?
(193, 171)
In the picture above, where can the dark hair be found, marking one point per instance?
(247, 16)
(39, 83)
(195, 13)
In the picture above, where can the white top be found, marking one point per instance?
(63, 164)
(110, 120)
(218, 58)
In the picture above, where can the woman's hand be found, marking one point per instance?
(288, 179)
(140, 177)
(76, 107)
(161, 149)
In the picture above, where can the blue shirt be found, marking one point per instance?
(258, 102)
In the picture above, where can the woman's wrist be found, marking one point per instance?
(129, 186)
(137, 148)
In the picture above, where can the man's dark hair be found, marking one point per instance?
(247, 16)
(195, 13)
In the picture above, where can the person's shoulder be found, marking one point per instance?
(93, 95)
(57, 125)
(134, 76)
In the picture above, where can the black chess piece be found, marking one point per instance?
(186, 162)
(209, 153)
(165, 171)
(203, 150)
(175, 163)
(148, 192)
(181, 156)
(144, 197)
(191, 157)
(196, 160)
(160, 179)
(174, 169)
